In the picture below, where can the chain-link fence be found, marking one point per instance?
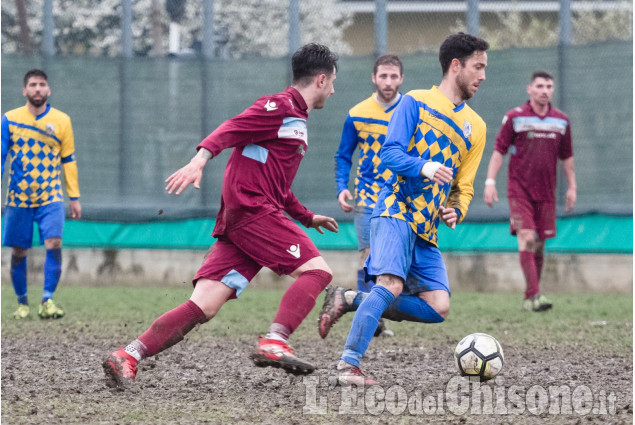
(144, 81)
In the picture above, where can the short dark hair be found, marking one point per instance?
(541, 74)
(310, 60)
(34, 73)
(460, 46)
(388, 60)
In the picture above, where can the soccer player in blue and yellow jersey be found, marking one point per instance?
(433, 147)
(365, 128)
(39, 142)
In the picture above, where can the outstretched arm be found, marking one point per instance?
(189, 174)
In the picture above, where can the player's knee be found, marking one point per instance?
(443, 311)
(53, 243)
(17, 251)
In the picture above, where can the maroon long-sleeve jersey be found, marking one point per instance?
(269, 140)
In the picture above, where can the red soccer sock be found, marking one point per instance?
(539, 259)
(528, 264)
(171, 327)
(298, 301)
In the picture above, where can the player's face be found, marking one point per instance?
(325, 91)
(540, 91)
(472, 74)
(37, 91)
(387, 81)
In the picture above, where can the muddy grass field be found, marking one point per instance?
(570, 366)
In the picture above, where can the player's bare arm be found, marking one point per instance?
(569, 171)
(189, 174)
(449, 216)
(343, 199)
(328, 223)
(490, 194)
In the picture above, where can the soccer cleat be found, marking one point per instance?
(22, 312)
(349, 375)
(272, 352)
(382, 330)
(48, 310)
(541, 303)
(537, 303)
(120, 368)
(334, 307)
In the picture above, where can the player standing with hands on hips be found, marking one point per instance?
(40, 144)
(536, 135)
(269, 139)
(434, 145)
(365, 127)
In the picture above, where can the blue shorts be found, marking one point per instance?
(362, 216)
(395, 249)
(17, 229)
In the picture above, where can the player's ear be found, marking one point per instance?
(455, 65)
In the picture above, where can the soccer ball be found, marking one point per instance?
(479, 355)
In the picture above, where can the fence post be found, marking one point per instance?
(381, 28)
(208, 29)
(564, 23)
(473, 17)
(48, 25)
(126, 28)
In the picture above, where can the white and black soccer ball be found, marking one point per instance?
(479, 355)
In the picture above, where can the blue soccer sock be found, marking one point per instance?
(413, 309)
(18, 277)
(365, 323)
(52, 272)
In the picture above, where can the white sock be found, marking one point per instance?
(273, 335)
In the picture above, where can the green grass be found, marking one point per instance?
(602, 321)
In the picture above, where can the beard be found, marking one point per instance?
(37, 102)
(383, 95)
(463, 87)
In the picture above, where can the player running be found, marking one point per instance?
(269, 139)
(433, 146)
(365, 127)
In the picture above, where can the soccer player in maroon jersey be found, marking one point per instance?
(536, 135)
(269, 139)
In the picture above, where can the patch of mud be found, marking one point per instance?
(58, 379)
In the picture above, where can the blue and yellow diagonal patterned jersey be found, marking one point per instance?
(427, 126)
(38, 147)
(365, 127)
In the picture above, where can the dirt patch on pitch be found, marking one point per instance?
(53, 375)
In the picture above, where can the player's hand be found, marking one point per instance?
(443, 175)
(190, 174)
(490, 195)
(343, 199)
(571, 197)
(328, 223)
(449, 216)
(76, 209)
(437, 172)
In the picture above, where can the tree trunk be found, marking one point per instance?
(24, 44)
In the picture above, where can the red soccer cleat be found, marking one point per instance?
(271, 352)
(120, 368)
(349, 375)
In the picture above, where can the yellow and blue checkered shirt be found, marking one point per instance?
(427, 126)
(38, 147)
(365, 127)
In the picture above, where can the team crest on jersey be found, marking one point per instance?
(301, 150)
(50, 129)
(467, 129)
(271, 106)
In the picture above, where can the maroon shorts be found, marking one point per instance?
(537, 216)
(272, 241)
